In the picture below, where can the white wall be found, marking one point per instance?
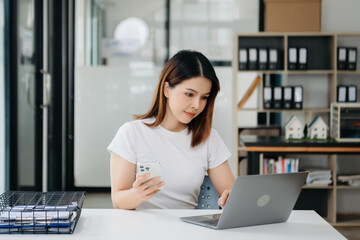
(2, 103)
(343, 16)
(340, 16)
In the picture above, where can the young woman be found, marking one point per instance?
(176, 132)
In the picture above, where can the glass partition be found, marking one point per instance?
(120, 51)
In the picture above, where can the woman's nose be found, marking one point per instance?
(196, 103)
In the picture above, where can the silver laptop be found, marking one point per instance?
(256, 200)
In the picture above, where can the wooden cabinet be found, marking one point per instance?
(320, 80)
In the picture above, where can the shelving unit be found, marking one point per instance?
(322, 64)
(257, 147)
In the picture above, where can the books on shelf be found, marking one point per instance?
(319, 177)
(351, 180)
(281, 165)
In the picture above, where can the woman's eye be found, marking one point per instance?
(205, 97)
(189, 94)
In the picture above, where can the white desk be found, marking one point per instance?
(117, 224)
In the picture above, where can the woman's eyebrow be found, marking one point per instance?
(196, 91)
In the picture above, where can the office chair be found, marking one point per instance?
(208, 196)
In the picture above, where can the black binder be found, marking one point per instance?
(268, 96)
(273, 59)
(287, 97)
(277, 96)
(351, 58)
(342, 57)
(303, 59)
(341, 93)
(292, 62)
(243, 59)
(263, 59)
(253, 58)
(351, 93)
(298, 97)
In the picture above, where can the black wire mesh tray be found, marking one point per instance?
(40, 212)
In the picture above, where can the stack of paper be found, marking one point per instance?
(352, 180)
(319, 177)
(31, 217)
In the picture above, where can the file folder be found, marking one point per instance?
(298, 97)
(287, 97)
(253, 58)
(351, 61)
(351, 93)
(263, 59)
(273, 59)
(277, 96)
(292, 63)
(303, 58)
(341, 93)
(267, 97)
(342, 57)
(243, 59)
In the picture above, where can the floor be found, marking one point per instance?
(103, 200)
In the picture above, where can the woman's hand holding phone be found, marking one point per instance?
(148, 180)
(145, 188)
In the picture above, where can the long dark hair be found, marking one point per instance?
(182, 66)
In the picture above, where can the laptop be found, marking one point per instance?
(256, 200)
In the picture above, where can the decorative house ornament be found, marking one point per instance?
(318, 128)
(294, 128)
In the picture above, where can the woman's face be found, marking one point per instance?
(186, 100)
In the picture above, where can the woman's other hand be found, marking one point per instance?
(223, 198)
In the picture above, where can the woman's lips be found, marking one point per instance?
(190, 115)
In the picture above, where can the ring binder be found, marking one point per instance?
(277, 97)
(351, 93)
(303, 58)
(341, 93)
(243, 59)
(298, 97)
(342, 56)
(263, 58)
(287, 97)
(351, 62)
(253, 58)
(268, 103)
(292, 58)
(273, 59)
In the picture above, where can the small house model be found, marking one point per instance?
(318, 128)
(294, 128)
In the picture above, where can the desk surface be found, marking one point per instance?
(117, 224)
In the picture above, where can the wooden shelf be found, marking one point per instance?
(318, 187)
(347, 72)
(318, 110)
(310, 72)
(322, 68)
(348, 187)
(347, 220)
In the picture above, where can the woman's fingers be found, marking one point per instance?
(222, 200)
(140, 179)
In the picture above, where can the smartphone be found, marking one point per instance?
(153, 168)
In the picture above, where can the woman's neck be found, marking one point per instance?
(172, 124)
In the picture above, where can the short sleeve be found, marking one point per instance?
(217, 150)
(123, 143)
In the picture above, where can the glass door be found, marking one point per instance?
(28, 87)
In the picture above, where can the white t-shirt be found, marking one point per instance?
(183, 167)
